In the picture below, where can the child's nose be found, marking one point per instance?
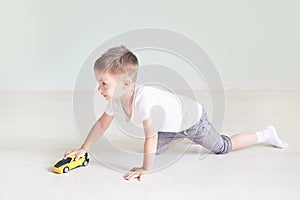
(99, 88)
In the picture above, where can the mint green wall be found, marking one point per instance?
(45, 42)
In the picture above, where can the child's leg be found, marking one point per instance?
(175, 141)
(268, 135)
(165, 139)
(243, 140)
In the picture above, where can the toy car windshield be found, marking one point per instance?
(63, 162)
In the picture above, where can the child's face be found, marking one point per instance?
(111, 87)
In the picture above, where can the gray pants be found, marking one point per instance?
(202, 133)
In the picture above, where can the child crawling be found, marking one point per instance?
(116, 72)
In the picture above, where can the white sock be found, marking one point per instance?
(269, 135)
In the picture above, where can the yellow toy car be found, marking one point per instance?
(64, 165)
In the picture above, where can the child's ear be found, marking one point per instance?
(127, 82)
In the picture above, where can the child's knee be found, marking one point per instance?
(226, 147)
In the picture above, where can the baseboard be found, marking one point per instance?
(39, 88)
(261, 86)
(197, 86)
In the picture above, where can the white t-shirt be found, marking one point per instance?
(170, 112)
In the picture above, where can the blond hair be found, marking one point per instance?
(118, 61)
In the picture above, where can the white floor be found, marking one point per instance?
(38, 127)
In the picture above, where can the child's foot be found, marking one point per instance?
(269, 135)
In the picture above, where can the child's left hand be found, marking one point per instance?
(136, 172)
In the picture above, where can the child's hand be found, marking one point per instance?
(78, 152)
(136, 172)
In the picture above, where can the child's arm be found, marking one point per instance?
(95, 133)
(150, 146)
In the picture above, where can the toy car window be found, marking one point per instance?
(63, 162)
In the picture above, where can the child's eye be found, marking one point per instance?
(103, 84)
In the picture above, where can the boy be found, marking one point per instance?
(116, 72)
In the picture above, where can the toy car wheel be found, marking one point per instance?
(66, 169)
(85, 163)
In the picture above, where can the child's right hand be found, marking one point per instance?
(78, 152)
